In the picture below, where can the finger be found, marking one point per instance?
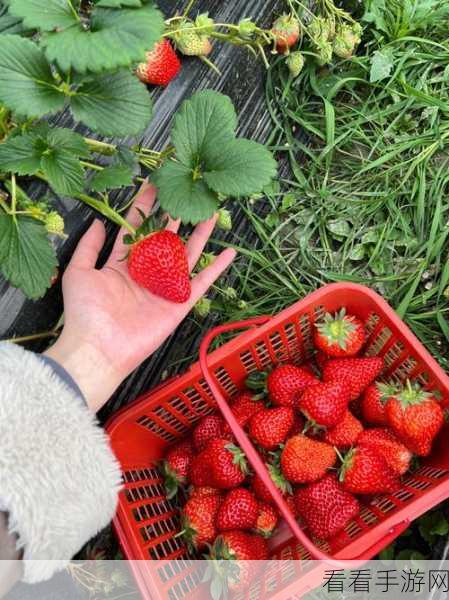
(144, 202)
(202, 282)
(89, 246)
(173, 224)
(198, 240)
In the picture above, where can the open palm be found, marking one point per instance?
(106, 310)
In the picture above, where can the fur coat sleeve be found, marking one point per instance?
(59, 479)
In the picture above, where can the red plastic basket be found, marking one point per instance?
(146, 522)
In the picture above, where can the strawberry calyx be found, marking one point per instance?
(172, 480)
(257, 382)
(411, 395)
(337, 329)
(279, 480)
(188, 534)
(145, 229)
(346, 462)
(386, 391)
(238, 457)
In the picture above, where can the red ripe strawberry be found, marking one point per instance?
(340, 335)
(199, 471)
(198, 520)
(373, 402)
(239, 510)
(203, 492)
(416, 417)
(267, 520)
(244, 406)
(286, 31)
(396, 455)
(286, 382)
(365, 471)
(291, 503)
(227, 464)
(208, 428)
(270, 427)
(325, 403)
(239, 545)
(158, 263)
(344, 434)
(161, 65)
(261, 490)
(358, 373)
(326, 507)
(304, 460)
(176, 466)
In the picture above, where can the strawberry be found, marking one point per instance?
(304, 460)
(176, 466)
(325, 403)
(286, 32)
(298, 425)
(396, 455)
(158, 263)
(203, 492)
(326, 507)
(365, 471)
(267, 520)
(270, 427)
(198, 520)
(192, 43)
(291, 503)
(161, 65)
(199, 470)
(340, 334)
(373, 402)
(209, 428)
(239, 510)
(358, 373)
(239, 545)
(416, 417)
(261, 490)
(227, 464)
(286, 382)
(344, 434)
(244, 406)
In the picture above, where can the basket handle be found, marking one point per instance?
(258, 465)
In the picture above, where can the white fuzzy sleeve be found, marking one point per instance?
(58, 476)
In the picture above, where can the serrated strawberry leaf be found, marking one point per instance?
(63, 172)
(66, 139)
(20, 155)
(56, 14)
(239, 167)
(202, 124)
(181, 196)
(26, 81)
(27, 258)
(8, 23)
(115, 104)
(113, 177)
(116, 38)
(118, 3)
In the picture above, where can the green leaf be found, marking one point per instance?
(181, 196)
(21, 155)
(113, 177)
(382, 64)
(339, 227)
(26, 82)
(8, 23)
(66, 139)
(115, 104)
(239, 168)
(27, 258)
(47, 16)
(63, 171)
(116, 38)
(118, 3)
(203, 123)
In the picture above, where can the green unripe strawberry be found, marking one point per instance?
(206, 259)
(191, 43)
(224, 219)
(230, 294)
(295, 63)
(321, 30)
(246, 28)
(325, 51)
(346, 40)
(202, 307)
(54, 223)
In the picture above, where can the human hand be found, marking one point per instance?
(112, 324)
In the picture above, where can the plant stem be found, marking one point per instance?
(188, 8)
(106, 211)
(210, 64)
(31, 338)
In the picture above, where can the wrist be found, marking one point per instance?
(94, 374)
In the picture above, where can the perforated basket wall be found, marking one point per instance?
(147, 522)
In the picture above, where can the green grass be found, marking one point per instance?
(366, 199)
